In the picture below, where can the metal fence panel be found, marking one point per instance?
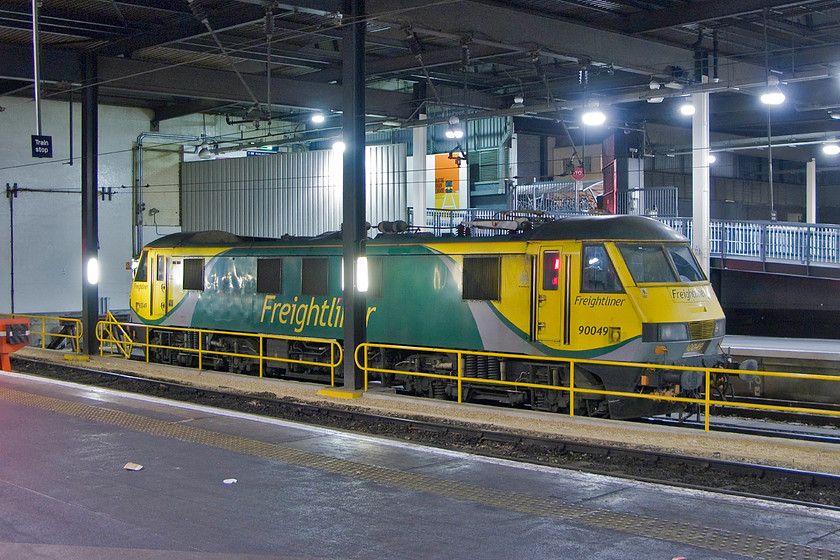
(294, 193)
(782, 242)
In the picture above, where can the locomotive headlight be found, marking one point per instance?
(670, 332)
(720, 327)
(664, 332)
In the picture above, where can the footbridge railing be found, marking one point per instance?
(763, 241)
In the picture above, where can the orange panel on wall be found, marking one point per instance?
(446, 182)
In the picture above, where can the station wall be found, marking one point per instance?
(297, 193)
(47, 210)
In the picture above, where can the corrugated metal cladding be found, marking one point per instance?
(298, 193)
(482, 134)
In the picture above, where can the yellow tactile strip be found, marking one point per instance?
(639, 525)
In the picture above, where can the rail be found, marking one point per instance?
(122, 338)
(712, 379)
(763, 241)
(67, 330)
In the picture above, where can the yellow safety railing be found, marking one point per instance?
(114, 333)
(122, 338)
(67, 328)
(362, 356)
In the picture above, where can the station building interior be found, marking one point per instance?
(226, 114)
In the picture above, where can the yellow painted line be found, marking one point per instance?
(77, 357)
(709, 538)
(340, 394)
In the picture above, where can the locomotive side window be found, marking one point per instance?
(482, 278)
(598, 272)
(685, 263)
(269, 275)
(315, 276)
(142, 273)
(647, 263)
(194, 274)
(551, 270)
(160, 274)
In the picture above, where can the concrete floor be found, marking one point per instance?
(307, 493)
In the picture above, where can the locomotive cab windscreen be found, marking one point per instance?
(669, 274)
(661, 262)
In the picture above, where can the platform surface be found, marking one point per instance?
(778, 347)
(221, 485)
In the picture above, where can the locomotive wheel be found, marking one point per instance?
(548, 400)
(243, 366)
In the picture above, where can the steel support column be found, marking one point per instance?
(700, 177)
(90, 225)
(811, 191)
(417, 174)
(353, 229)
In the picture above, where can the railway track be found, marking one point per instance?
(802, 427)
(806, 488)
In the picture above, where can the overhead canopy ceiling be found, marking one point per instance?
(544, 59)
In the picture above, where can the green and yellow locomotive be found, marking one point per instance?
(617, 288)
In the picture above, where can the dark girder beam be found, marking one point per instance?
(138, 78)
(201, 83)
(56, 66)
(189, 108)
(507, 25)
(60, 22)
(187, 27)
(647, 21)
(408, 63)
(281, 53)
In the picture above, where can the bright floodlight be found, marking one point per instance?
(362, 274)
(772, 95)
(831, 149)
(93, 271)
(318, 118)
(712, 158)
(593, 117)
(339, 147)
(687, 109)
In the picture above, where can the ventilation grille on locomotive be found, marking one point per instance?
(701, 330)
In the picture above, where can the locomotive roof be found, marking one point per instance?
(584, 228)
(610, 227)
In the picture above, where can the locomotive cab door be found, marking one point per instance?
(158, 286)
(551, 307)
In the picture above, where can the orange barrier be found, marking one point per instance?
(14, 335)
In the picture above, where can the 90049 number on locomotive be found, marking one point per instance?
(617, 288)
